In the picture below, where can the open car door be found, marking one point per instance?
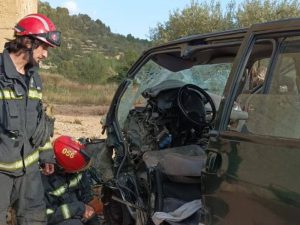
(252, 172)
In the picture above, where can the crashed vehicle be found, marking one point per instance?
(205, 130)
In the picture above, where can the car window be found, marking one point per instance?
(257, 73)
(274, 109)
(210, 77)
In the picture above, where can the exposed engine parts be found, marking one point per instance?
(172, 117)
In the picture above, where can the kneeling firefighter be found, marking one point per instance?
(69, 192)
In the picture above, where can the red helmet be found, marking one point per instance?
(40, 27)
(70, 154)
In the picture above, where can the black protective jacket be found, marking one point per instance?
(20, 108)
(66, 195)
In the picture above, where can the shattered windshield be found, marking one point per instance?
(210, 77)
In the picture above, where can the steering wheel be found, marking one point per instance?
(192, 100)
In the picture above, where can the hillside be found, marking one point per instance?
(90, 52)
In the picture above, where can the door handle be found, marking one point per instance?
(216, 163)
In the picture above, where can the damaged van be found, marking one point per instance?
(204, 130)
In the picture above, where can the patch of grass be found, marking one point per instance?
(60, 90)
(77, 121)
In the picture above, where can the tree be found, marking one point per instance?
(196, 18)
(204, 17)
(125, 62)
(258, 11)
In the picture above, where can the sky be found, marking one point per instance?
(134, 17)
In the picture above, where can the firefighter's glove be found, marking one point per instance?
(43, 131)
(97, 205)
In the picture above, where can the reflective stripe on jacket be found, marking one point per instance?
(62, 189)
(28, 160)
(64, 209)
(11, 94)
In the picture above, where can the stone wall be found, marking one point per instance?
(10, 13)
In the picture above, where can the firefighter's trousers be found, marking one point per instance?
(25, 194)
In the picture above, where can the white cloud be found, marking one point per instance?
(71, 6)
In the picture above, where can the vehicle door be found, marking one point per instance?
(252, 171)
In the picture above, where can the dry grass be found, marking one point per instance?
(60, 90)
(77, 121)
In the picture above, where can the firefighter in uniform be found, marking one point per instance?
(69, 193)
(25, 129)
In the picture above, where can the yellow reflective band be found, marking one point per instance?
(49, 211)
(46, 147)
(75, 180)
(62, 189)
(30, 159)
(35, 94)
(9, 95)
(65, 211)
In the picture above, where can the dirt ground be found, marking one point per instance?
(78, 121)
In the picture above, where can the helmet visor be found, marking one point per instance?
(53, 37)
